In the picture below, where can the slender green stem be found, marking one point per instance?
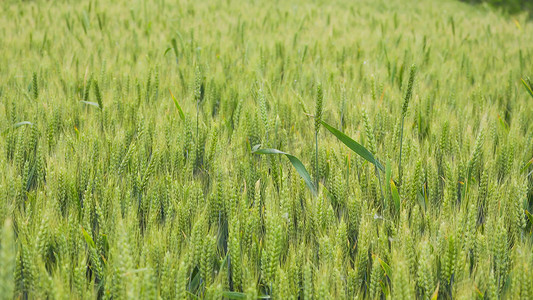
(379, 179)
(316, 160)
(197, 114)
(197, 135)
(400, 160)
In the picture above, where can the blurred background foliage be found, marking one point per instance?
(510, 6)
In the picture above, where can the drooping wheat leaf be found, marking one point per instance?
(354, 146)
(435, 293)
(180, 111)
(296, 163)
(386, 268)
(88, 238)
(90, 103)
(233, 295)
(17, 125)
(395, 195)
(527, 84)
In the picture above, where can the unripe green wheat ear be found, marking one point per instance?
(406, 100)
(409, 92)
(98, 94)
(319, 106)
(35, 86)
(7, 259)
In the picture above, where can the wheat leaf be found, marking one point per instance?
(355, 146)
(180, 111)
(435, 293)
(395, 195)
(90, 103)
(88, 238)
(296, 163)
(528, 86)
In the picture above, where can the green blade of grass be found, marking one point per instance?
(355, 146)
(17, 125)
(191, 295)
(503, 123)
(395, 195)
(384, 289)
(88, 238)
(388, 177)
(90, 103)
(174, 46)
(180, 111)
(296, 163)
(527, 85)
(527, 165)
(422, 201)
(386, 268)
(233, 295)
(529, 216)
(195, 281)
(436, 293)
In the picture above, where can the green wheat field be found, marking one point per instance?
(371, 149)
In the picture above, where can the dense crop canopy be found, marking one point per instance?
(138, 150)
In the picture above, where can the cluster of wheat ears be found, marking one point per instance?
(272, 150)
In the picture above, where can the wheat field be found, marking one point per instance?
(265, 150)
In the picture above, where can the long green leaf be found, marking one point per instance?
(182, 115)
(384, 289)
(17, 125)
(530, 217)
(195, 281)
(435, 295)
(90, 103)
(422, 201)
(88, 238)
(296, 163)
(233, 295)
(386, 268)
(528, 86)
(503, 124)
(527, 165)
(174, 46)
(388, 177)
(395, 195)
(355, 146)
